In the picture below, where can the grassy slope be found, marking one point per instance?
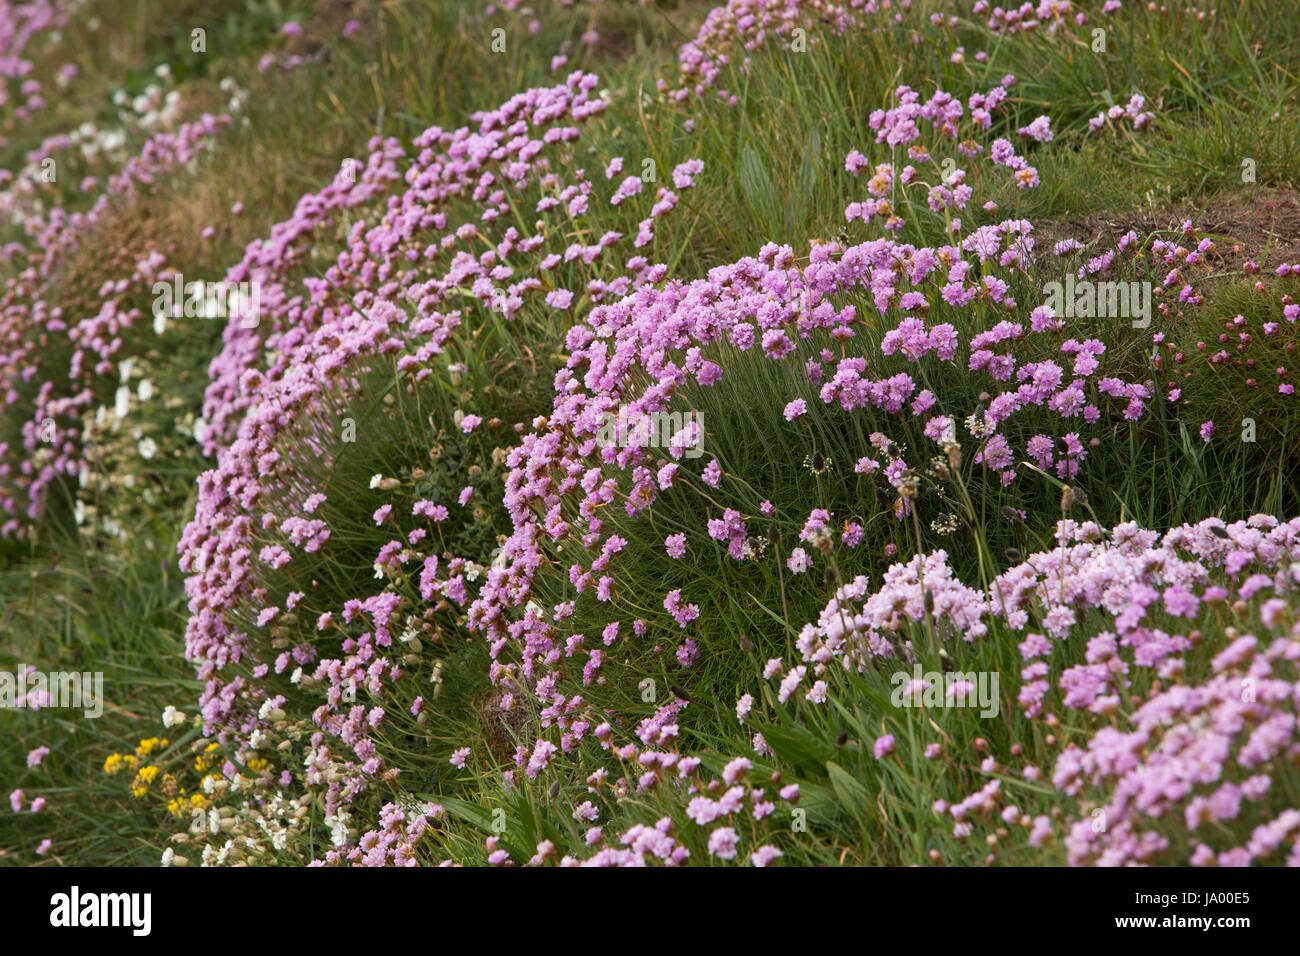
(63, 607)
(67, 608)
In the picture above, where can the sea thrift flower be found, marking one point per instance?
(765, 855)
(722, 843)
(743, 706)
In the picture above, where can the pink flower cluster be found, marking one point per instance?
(1192, 750)
(740, 27)
(283, 389)
(57, 362)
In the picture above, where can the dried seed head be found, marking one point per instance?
(1067, 498)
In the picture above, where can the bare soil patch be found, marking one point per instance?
(1262, 226)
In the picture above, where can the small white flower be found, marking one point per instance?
(375, 480)
(268, 711)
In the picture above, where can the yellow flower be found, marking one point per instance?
(208, 757)
(146, 776)
(149, 745)
(116, 763)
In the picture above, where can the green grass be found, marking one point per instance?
(773, 172)
(119, 606)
